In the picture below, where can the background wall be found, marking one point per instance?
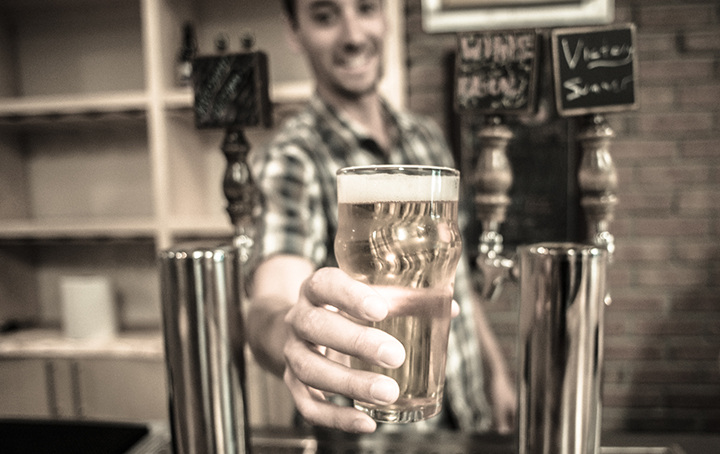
(662, 339)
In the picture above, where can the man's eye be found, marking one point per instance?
(324, 17)
(369, 7)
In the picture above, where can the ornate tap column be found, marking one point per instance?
(598, 181)
(493, 179)
(243, 196)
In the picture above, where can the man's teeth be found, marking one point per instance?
(356, 62)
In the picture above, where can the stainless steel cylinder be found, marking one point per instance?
(203, 333)
(562, 297)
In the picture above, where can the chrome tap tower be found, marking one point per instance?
(562, 298)
(202, 284)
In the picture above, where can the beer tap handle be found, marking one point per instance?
(598, 181)
(492, 180)
(240, 190)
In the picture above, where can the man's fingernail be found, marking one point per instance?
(391, 354)
(385, 390)
(375, 308)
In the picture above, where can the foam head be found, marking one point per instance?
(397, 187)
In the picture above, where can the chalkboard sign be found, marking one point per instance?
(496, 72)
(231, 90)
(595, 69)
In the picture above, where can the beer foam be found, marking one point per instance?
(396, 188)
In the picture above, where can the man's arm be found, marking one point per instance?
(501, 388)
(276, 287)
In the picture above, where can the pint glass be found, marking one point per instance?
(398, 233)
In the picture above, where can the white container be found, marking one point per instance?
(88, 307)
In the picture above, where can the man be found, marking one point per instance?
(293, 327)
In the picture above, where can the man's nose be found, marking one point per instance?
(353, 34)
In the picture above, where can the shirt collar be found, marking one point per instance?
(334, 122)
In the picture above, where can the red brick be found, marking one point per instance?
(648, 227)
(699, 201)
(426, 101)
(615, 372)
(705, 397)
(618, 277)
(676, 123)
(700, 148)
(614, 326)
(675, 16)
(707, 250)
(656, 43)
(671, 277)
(699, 95)
(426, 76)
(702, 41)
(642, 149)
(661, 326)
(696, 303)
(623, 395)
(656, 96)
(697, 349)
(636, 304)
(421, 46)
(676, 71)
(642, 251)
(629, 350)
(620, 227)
(699, 372)
(673, 174)
(648, 203)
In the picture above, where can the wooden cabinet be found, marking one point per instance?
(126, 389)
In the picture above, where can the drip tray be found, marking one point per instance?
(674, 449)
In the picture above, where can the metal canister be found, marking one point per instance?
(203, 333)
(562, 298)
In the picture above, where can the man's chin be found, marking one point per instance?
(356, 92)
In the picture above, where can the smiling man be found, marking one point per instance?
(295, 324)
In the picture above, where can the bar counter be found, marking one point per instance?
(266, 441)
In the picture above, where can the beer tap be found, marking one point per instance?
(242, 194)
(493, 179)
(598, 181)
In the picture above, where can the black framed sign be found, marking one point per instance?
(496, 72)
(595, 69)
(231, 90)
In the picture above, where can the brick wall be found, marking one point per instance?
(662, 340)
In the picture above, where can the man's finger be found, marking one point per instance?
(333, 287)
(319, 372)
(318, 411)
(334, 330)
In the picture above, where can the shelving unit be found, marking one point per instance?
(101, 165)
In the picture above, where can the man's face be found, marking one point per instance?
(343, 40)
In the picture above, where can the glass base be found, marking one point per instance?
(404, 415)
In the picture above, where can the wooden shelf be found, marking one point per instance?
(90, 105)
(77, 228)
(49, 343)
(282, 93)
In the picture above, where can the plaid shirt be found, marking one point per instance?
(296, 173)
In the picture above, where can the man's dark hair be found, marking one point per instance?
(291, 10)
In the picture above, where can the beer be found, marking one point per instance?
(398, 233)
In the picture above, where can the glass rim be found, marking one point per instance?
(448, 171)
